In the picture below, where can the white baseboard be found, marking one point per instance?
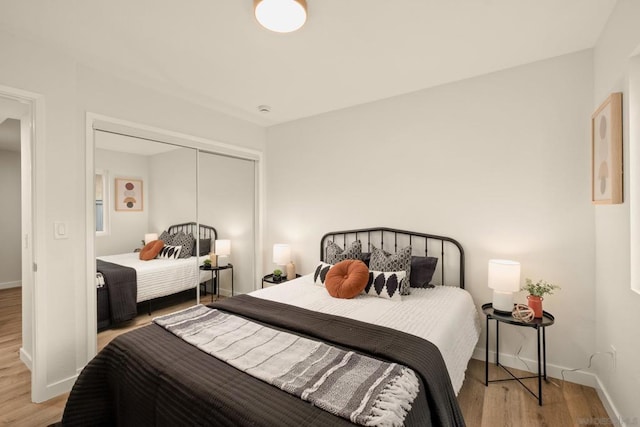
(554, 371)
(51, 390)
(614, 415)
(227, 292)
(26, 358)
(9, 285)
(57, 388)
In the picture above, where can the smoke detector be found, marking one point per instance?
(264, 109)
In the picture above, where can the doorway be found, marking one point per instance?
(18, 136)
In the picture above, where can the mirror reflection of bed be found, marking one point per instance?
(137, 281)
(180, 186)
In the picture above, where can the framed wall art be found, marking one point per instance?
(606, 152)
(129, 194)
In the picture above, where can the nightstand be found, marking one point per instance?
(539, 325)
(269, 279)
(214, 278)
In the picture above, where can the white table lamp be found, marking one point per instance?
(150, 237)
(223, 250)
(504, 279)
(281, 254)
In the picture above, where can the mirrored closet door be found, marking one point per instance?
(144, 188)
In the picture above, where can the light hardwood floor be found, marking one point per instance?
(501, 404)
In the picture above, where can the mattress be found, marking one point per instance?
(161, 277)
(444, 315)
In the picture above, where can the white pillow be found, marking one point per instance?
(385, 284)
(169, 252)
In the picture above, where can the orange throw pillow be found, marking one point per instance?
(347, 278)
(151, 250)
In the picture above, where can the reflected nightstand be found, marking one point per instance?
(269, 279)
(214, 278)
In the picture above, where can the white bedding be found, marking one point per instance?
(444, 315)
(161, 277)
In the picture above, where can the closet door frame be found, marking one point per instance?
(100, 122)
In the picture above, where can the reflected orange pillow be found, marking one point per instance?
(151, 250)
(347, 278)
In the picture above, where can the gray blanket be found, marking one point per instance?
(122, 285)
(359, 388)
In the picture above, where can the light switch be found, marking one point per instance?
(60, 230)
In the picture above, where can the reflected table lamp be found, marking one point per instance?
(281, 255)
(150, 237)
(504, 279)
(223, 250)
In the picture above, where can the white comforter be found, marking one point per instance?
(161, 277)
(444, 315)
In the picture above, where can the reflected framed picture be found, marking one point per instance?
(606, 152)
(129, 194)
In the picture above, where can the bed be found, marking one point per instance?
(123, 280)
(150, 376)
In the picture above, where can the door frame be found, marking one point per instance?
(95, 122)
(633, 192)
(32, 135)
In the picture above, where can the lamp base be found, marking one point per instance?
(223, 260)
(502, 301)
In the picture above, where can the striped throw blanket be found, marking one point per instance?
(362, 389)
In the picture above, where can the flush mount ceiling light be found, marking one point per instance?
(281, 16)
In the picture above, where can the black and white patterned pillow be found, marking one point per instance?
(400, 261)
(186, 241)
(335, 253)
(385, 284)
(165, 237)
(170, 252)
(320, 274)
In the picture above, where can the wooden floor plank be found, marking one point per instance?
(472, 394)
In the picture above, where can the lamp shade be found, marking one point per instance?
(150, 237)
(281, 253)
(504, 275)
(223, 247)
(281, 16)
(504, 279)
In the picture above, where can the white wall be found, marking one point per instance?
(172, 188)
(500, 162)
(126, 229)
(10, 220)
(60, 183)
(618, 307)
(69, 91)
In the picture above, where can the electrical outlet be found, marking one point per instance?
(614, 354)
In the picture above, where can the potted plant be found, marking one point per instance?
(207, 263)
(277, 275)
(536, 293)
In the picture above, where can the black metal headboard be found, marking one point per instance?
(204, 231)
(441, 247)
